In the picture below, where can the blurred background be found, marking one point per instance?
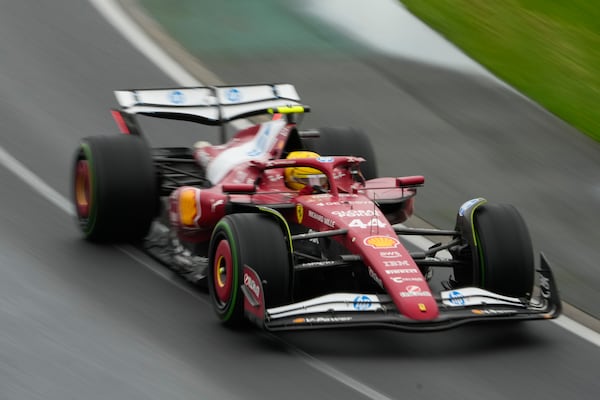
(497, 100)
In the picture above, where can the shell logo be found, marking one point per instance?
(381, 242)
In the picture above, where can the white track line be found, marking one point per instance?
(580, 330)
(115, 15)
(13, 165)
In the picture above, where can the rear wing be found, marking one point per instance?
(212, 105)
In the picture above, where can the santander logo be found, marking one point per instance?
(251, 284)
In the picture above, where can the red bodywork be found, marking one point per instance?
(348, 204)
(342, 237)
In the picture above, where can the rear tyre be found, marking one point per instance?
(254, 240)
(345, 142)
(114, 188)
(506, 263)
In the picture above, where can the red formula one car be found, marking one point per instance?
(293, 229)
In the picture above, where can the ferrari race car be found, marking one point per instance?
(293, 229)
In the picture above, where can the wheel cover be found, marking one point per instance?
(223, 272)
(83, 189)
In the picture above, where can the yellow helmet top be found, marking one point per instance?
(297, 178)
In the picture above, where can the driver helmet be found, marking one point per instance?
(297, 178)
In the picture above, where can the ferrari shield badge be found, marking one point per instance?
(299, 213)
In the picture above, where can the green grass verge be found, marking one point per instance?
(547, 49)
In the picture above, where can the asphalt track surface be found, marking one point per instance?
(468, 135)
(97, 322)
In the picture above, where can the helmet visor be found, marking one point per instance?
(312, 180)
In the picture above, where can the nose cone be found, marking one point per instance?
(416, 302)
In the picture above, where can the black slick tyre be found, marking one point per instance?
(114, 188)
(255, 240)
(506, 263)
(345, 142)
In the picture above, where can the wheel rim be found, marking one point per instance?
(223, 272)
(82, 189)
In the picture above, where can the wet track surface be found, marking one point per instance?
(95, 322)
(467, 134)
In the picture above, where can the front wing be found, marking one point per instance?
(358, 310)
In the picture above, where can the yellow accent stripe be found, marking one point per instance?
(286, 110)
(187, 206)
(278, 215)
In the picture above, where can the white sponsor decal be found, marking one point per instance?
(318, 263)
(339, 203)
(252, 285)
(275, 178)
(399, 279)
(215, 204)
(402, 271)
(318, 217)
(415, 294)
(374, 222)
(399, 263)
(545, 287)
(390, 254)
(414, 291)
(356, 213)
(412, 288)
(326, 320)
(325, 305)
(325, 159)
(476, 296)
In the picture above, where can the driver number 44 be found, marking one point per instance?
(374, 222)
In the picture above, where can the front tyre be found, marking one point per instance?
(505, 251)
(255, 240)
(114, 188)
